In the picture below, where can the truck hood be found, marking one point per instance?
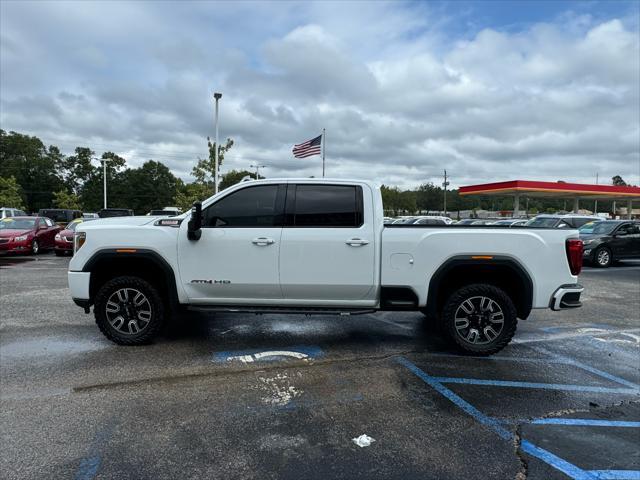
(117, 221)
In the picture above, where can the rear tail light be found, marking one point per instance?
(574, 255)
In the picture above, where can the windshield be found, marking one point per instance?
(17, 224)
(72, 226)
(542, 222)
(598, 228)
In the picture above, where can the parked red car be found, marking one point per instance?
(27, 234)
(64, 239)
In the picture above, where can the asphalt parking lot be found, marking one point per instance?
(272, 396)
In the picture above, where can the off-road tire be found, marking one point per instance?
(497, 295)
(152, 328)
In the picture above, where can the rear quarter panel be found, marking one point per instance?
(540, 252)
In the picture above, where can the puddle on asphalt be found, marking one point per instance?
(49, 346)
(300, 327)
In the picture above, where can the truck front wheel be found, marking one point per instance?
(129, 311)
(480, 319)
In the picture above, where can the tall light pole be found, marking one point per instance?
(257, 167)
(104, 177)
(216, 96)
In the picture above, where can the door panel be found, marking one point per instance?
(333, 262)
(235, 261)
(226, 263)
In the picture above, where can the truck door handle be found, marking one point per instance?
(263, 241)
(357, 242)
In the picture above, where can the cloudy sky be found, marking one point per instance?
(490, 91)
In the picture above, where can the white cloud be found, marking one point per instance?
(401, 97)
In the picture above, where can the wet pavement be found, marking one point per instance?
(274, 396)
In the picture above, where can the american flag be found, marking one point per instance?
(308, 148)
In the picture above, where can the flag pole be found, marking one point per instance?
(324, 133)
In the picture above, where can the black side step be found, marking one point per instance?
(267, 310)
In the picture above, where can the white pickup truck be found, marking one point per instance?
(319, 246)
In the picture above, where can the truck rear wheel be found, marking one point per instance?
(480, 319)
(129, 311)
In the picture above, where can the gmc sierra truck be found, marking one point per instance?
(319, 246)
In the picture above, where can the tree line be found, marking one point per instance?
(35, 176)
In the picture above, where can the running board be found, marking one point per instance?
(267, 310)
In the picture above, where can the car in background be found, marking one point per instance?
(166, 212)
(86, 215)
(420, 220)
(466, 221)
(11, 212)
(429, 221)
(561, 221)
(483, 221)
(403, 220)
(115, 212)
(511, 222)
(607, 241)
(61, 216)
(64, 238)
(27, 234)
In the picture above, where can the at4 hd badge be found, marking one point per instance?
(211, 281)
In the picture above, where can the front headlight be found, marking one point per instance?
(21, 238)
(587, 242)
(78, 240)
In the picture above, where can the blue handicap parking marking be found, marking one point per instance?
(298, 352)
(564, 328)
(616, 474)
(498, 425)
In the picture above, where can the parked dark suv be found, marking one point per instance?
(115, 212)
(61, 216)
(560, 221)
(610, 240)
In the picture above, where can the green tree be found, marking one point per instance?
(91, 192)
(75, 170)
(235, 176)
(64, 199)
(205, 168)
(618, 181)
(33, 166)
(151, 186)
(10, 193)
(190, 193)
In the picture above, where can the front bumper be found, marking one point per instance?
(79, 285)
(15, 247)
(64, 246)
(566, 296)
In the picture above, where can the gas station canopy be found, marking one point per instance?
(576, 191)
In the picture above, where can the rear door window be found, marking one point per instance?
(327, 206)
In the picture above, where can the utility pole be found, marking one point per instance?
(595, 208)
(257, 167)
(216, 96)
(445, 184)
